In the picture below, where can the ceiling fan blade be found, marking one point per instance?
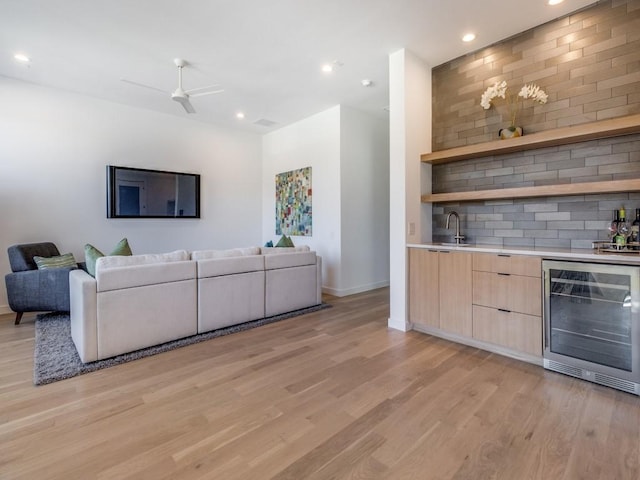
(205, 93)
(193, 90)
(188, 107)
(142, 85)
(183, 99)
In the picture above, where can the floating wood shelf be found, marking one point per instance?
(614, 186)
(550, 138)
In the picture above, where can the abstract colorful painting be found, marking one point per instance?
(293, 202)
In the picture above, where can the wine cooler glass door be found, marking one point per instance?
(591, 317)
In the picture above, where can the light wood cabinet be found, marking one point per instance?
(455, 292)
(440, 290)
(507, 301)
(522, 333)
(486, 300)
(508, 292)
(424, 293)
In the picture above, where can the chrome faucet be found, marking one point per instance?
(459, 238)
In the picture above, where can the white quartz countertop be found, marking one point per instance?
(544, 252)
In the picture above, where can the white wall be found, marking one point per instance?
(348, 153)
(410, 136)
(54, 148)
(313, 142)
(364, 167)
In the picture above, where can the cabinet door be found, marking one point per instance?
(455, 292)
(424, 307)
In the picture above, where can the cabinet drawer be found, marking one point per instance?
(516, 331)
(508, 292)
(511, 264)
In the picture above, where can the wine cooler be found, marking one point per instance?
(591, 316)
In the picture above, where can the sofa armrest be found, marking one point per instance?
(39, 290)
(84, 308)
(319, 278)
(288, 260)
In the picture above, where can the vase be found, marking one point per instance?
(510, 132)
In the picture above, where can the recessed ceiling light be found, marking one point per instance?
(330, 67)
(554, 2)
(469, 37)
(21, 57)
(366, 82)
(240, 115)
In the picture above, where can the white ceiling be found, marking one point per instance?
(266, 54)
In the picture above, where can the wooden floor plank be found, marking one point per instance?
(334, 394)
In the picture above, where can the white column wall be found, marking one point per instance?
(410, 136)
(364, 180)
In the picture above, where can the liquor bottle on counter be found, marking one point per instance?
(623, 229)
(635, 228)
(613, 227)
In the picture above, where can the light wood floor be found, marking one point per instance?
(331, 395)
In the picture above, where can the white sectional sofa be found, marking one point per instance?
(144, 300)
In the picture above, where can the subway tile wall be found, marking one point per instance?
(615, 158)
(562, 222)
(557, 222)
(589, 64)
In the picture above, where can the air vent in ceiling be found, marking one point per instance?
(263, 122)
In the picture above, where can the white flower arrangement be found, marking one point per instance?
(499, 90)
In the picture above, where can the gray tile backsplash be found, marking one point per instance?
(567, 222)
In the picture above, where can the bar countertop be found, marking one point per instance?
(590, 255)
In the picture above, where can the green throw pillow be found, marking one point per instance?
(285, 242)
(60, 261)
(92, 254)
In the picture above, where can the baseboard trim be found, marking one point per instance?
(352, 291)
(471, 342)
(5, 309)
(396, 324)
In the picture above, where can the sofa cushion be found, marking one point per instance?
(233, 252)
(273, 250)
(147, 259)
(92, 254)
(213, 267)
(59, 261)
(120, 278)
(294, 259)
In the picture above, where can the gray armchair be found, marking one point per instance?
(33, 290)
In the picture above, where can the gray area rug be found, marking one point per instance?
(56, 357)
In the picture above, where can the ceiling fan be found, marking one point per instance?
(179, 94)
